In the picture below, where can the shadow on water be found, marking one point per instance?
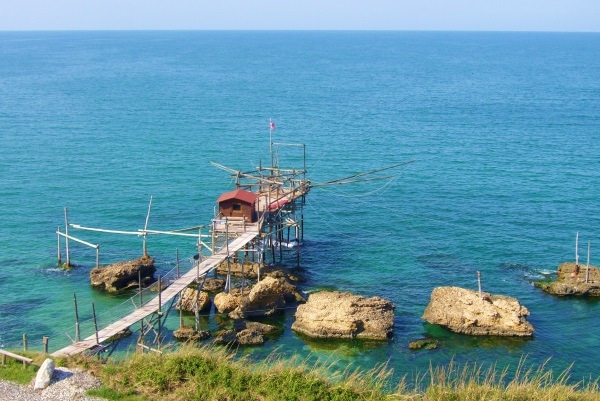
(447, 338)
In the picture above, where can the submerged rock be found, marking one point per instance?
(190, 334)
(245, 333)
(344, 315)
(123, 275)
(574, 280)
(425, 343)
(463, 311)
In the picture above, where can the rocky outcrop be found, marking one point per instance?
(190, 334)
(245, 333)
(187, 302)
(574, 280)
(227, 302)
(265, 298)
(249, 270)
(463, 311)
(346, 316)
(123, 275)
(213, 284)
(425, 343)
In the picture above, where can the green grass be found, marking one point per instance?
(14, 370)
(213, 373)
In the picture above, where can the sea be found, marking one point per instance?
(501, 129)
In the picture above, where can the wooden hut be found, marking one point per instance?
(238, 204)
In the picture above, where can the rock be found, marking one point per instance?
(261, 328)
(213, 284)
(265, 298)
(44, 375)
(425, 343)
(571, 280)
(188, 301)
(463, 311)
(343, 315)
(290, 291)
(245, 333)
(190, 334)
(227, 302)
(250, 269)
(123, 275)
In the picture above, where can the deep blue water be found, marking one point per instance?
(504, 128)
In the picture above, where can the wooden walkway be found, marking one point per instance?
(169, 293)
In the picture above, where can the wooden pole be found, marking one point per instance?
(177, 260)
(145, 250)
(302, 227)
(95, 323)
(68, 256)
(180, 310)
(196, 311)
(587, 269)
(228, 262)
(24, 342)
(97, 255)
(141, 303)
(479, 282)
(77, 332)
(45, 342)
(577, 249)
(280, 232)
(159, 309)
(58, 245)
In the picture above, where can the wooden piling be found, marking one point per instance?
(24, 342)
(68, 256)
(587, 269)
(141, 340)
(95, 323)
(58, 245)
(45, 342)
(177, 260)
(77, 331)
(159, 310)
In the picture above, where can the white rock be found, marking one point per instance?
(44, 375)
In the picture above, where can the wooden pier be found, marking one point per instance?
(167, 294)
(251, 218)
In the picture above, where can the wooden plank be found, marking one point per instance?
(9, 354)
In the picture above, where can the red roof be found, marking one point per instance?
(240, 194)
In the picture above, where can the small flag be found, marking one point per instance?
(272, 125)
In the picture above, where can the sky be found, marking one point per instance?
(462, 15)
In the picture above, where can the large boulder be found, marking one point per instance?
(187, 302)
(123, 275)
(344, 315)
(265, 299)
(226, 302)
(573, 279)
(464, 311)
(44, 375)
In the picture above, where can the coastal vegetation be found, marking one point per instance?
(213, 373)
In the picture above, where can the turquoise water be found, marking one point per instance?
(504, 128)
